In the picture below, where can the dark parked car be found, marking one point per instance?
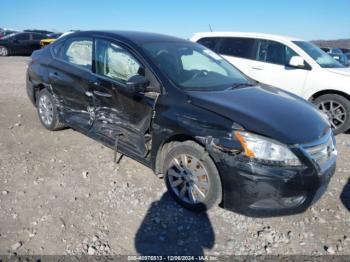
(215, 135)
(43, 32)
(20, 43)
(6, 32)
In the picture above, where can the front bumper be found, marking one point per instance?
(260, 190)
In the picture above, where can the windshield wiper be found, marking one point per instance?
(240, 85)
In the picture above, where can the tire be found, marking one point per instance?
(340, 115)
(47, 111)
(200, 173)
(4, 51)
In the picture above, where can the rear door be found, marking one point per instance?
(239, 51)
(118, 112)
(271, 67)
(20, 43)
(70, 74)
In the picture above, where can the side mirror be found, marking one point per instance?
(297, 61)
(137, 83)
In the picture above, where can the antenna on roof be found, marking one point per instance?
(211, 30)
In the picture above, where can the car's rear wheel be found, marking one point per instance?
(47, 111)
(4, 51)
(191, 176)
(337, 108)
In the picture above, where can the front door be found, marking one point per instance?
(34, 43)
(69, 77)
(119, 113)
(271, 67)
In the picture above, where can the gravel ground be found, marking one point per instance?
(60, 193)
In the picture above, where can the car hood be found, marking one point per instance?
(267, 111)
(340, 71)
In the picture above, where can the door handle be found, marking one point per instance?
(257, 68)
(103, 94)
(95, 83)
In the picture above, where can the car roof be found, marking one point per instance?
(246, 34)
(133, 36)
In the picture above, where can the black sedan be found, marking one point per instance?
(20, 43)
(215, 135)
(6, 32)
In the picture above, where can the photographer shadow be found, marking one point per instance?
(168, 229)
(345, 195)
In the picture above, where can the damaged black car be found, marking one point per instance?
(216, 136)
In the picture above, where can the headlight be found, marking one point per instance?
(265, 150)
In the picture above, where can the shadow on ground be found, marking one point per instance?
(168, 229)
(345, 195)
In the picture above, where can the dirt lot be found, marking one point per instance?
(60, 193)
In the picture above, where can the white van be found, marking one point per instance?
(295, 65)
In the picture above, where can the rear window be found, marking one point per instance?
(209, 42)
(238, 47)
(78, 51)
(56, 47)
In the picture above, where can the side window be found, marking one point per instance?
(289, 54)
(115, 62)
(209, 42)
(22, 37)
(37, 36)
(78, 51)
(238, 47)
(274, 52)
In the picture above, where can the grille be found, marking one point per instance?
(322, 152)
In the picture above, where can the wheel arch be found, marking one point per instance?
(182, 138)
(345, 98)
(37, 89)
(158, 167)
(328, 92)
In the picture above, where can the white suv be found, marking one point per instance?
(295, 65)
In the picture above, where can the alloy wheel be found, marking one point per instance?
(335, 112)
(188, 178)
(46, 110)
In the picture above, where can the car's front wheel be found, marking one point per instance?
(337, 108)
(4, 51)
(191, 176)
(47, 111)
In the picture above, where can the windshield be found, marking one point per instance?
(321, 58)
(9, 36)
(193, 67)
